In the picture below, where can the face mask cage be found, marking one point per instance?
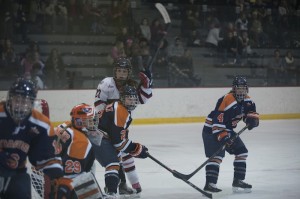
(19, 106)
(240, 92)
(90, 123)
(130, 102)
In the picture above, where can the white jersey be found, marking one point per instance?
(108, 92)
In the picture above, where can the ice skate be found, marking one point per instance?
(110, 195)
(211, 187)
(238, 186)
(126, 192)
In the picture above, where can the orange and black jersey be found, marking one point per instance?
(115, 121)
(227, 113)
(33, 139)
(77, 154)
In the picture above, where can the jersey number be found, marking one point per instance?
(72, 167)
(221, 117)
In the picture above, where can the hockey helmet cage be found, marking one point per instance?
(122, 69)
(84, 116)
(129, 97)
(240, 88)
(20, 99)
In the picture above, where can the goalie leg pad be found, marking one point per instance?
(86, 186)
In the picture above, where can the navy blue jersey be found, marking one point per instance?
(227, 113)
(33, 139)
(115, 122)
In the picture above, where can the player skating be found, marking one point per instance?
(24, 132)
(115, 121)
(109, 91)
(218, 130)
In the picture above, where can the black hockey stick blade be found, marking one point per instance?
(188, 176)
(209, 195)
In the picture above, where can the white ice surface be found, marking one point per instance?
(273, 165)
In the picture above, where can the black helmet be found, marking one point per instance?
(20, 98)
(122, 63)
(129, 97)
(239, 88)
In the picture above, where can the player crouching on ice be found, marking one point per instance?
(218, 130)
(74, 146)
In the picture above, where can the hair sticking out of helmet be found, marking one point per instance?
(84, 116)
(240, 88)
(122, 69)
(20, 99)
(129, 97)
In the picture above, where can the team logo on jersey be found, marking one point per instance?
(34, 130)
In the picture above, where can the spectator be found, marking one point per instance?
(55, 70)
(37, 76)
(157, 33)
(28, 61)
(292, 73)
(213, 38)
(176, 50)
(232, 48)
(256, 31)
(116, 13)
(145, 29)
(182, 73)
(276, 70)
(124, 35)
(193, 40)
(117, 51)
(9, 58)
(242, 22)
(161, 63)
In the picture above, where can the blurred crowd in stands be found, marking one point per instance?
(230, 30)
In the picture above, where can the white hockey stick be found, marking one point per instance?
(164, 13)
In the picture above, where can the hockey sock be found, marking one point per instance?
(240, 166)
(212, 169)
(129, 167)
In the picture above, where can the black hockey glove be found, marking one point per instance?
(140, 151)
(252, 120)
(146, 78)
(224, 138)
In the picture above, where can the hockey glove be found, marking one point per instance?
(252, 120)
(140, 151)
(146, 78)
(224, 138)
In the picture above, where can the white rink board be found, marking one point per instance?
(177, 103)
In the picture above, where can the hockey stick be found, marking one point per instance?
(187, 177)
(167, 21)
(209, 195)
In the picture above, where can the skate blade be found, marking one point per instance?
(241, 190)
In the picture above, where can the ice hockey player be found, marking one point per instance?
(218, 130)
(115, 121)
(25, 132)
(108, 91)
(75, 149)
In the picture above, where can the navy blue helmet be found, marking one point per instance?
(20, 99)
(240, 88)
(129, 97)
